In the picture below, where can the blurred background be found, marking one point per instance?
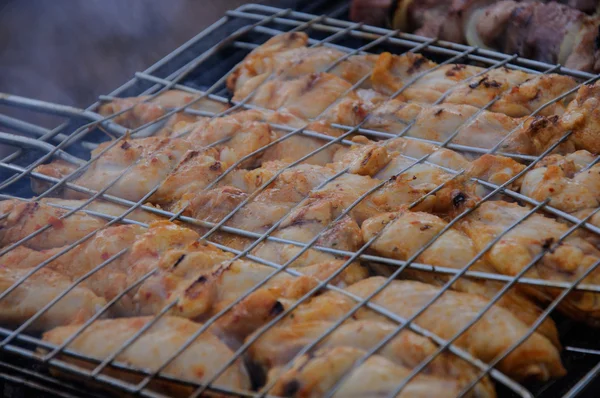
(70, 51)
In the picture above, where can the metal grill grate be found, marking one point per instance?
(197, 67)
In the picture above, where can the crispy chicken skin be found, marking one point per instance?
(198, 363)
(563, 262)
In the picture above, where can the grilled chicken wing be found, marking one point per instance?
(200, 278)
(24, 218)
(198, 363)
(582, 118)
(568, 188)
(565, 261)
(489, 337)
(405, 233)
(37, 291)
(145, 111)
(280, 344)
(467, 125)
(315, 375)
(519, 93)
(176, 166)
(287, 55)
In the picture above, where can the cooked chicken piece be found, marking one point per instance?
(280, 344)
(177, 165)
(568, 189)
(489, 337)
(199, 277)
(155, 158)
(298, 145)
(267, 207)
(496, 169)
(315, 375)
(198, 363)
(24, 218)
(205, 280)
(437, 155)
(405, 233)
(145, 111)
(582, 117)
(108, 208)
(394, 72)
(466, 125)
(307, 97)
(287, 55)
(37, 291)
(519, 93)
(143, 254)
(517, 248)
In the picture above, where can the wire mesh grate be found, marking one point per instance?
(238, 33)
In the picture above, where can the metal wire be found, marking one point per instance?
(339, 30)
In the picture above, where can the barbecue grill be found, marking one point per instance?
(198, 67)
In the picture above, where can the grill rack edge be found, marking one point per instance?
(261, 14)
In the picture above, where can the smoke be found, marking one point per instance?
(70, 52)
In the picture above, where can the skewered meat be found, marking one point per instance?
(544, 30)
(198, 363)
(565, 261)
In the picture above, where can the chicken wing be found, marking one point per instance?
(315, 375)
(467, 125)
(566, 262)
(582, 116)
(287, 55)
(198, 363)
(23, 218)
(519, 93)
(145, 111)
(407, 232)
(39, 289)
(488, 338)
(280, 344)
